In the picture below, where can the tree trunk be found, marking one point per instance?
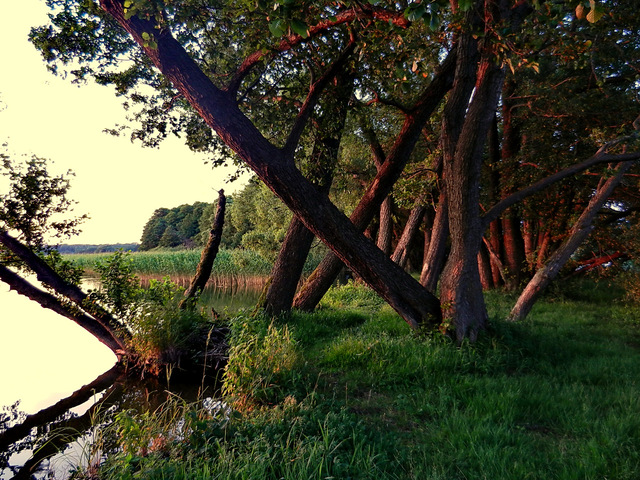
(434, 257)
(46, 275)
(579, 232)
(465, 129)
(208, 256)
(513, 245)
(484, 266)
(276, 167)
(401, 253)
(46, 300)
(287, 270)
(385, 228)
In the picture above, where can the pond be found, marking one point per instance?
(45, 358)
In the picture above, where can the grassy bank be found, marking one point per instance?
(349, 392)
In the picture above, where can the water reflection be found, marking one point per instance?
(29, 444)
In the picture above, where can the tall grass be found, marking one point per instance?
(229, 264)
(350, 392)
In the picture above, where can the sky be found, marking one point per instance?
(117, 183)
(44, 356)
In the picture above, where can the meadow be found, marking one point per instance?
(349, 392)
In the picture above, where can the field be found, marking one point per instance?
(350, 392)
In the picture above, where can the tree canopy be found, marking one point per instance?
(489, 101)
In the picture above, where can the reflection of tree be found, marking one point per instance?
(50, 430)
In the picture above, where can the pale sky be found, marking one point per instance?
(44, 356)
(117, 183)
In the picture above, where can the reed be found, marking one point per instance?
(230, 264)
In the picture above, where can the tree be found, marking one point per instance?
(238, 86)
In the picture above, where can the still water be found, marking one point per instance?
(45, 358)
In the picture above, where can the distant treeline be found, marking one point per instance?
(88, 248)
(255, 220)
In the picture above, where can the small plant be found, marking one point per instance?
(259, 362)
(160, 332)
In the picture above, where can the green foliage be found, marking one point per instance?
(553, 397)
(173, 227)
(119, 287)
(160, 332)
(261, 358)
(35, 201)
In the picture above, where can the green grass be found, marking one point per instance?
(350, 392)
(180, 263)
(184, 262)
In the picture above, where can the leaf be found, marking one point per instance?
(276, 28)
(300, 27)
(465, 5)
(580, 11)
(596, 12)
(414, 14)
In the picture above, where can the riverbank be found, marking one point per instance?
(350, 392)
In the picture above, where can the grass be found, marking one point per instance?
(350, 392)
(229, 264)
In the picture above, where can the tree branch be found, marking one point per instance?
(311, 101)
(546, 182)
(49, 277)
(46, 300)
(287, 43)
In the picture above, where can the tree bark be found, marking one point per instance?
(465, 128)
(401, 252)
(579, 232)
(385, 227)
(287, 270)
(208, 256)
(277, 169)
(48, 301)
(434, 258)
(513, 245)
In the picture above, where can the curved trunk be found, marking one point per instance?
(465, 129)
(435, 257)
(401, 252)
(579, 232)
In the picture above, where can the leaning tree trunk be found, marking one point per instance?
(88, 314)
(51, 302)
(276, 167)
(324, 275)
(208, 256)
(287, 270)
(579, 232)
(435, 255)
(401, 252)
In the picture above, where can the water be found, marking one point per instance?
(45, 358)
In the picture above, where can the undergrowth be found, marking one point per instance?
(350, 392)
